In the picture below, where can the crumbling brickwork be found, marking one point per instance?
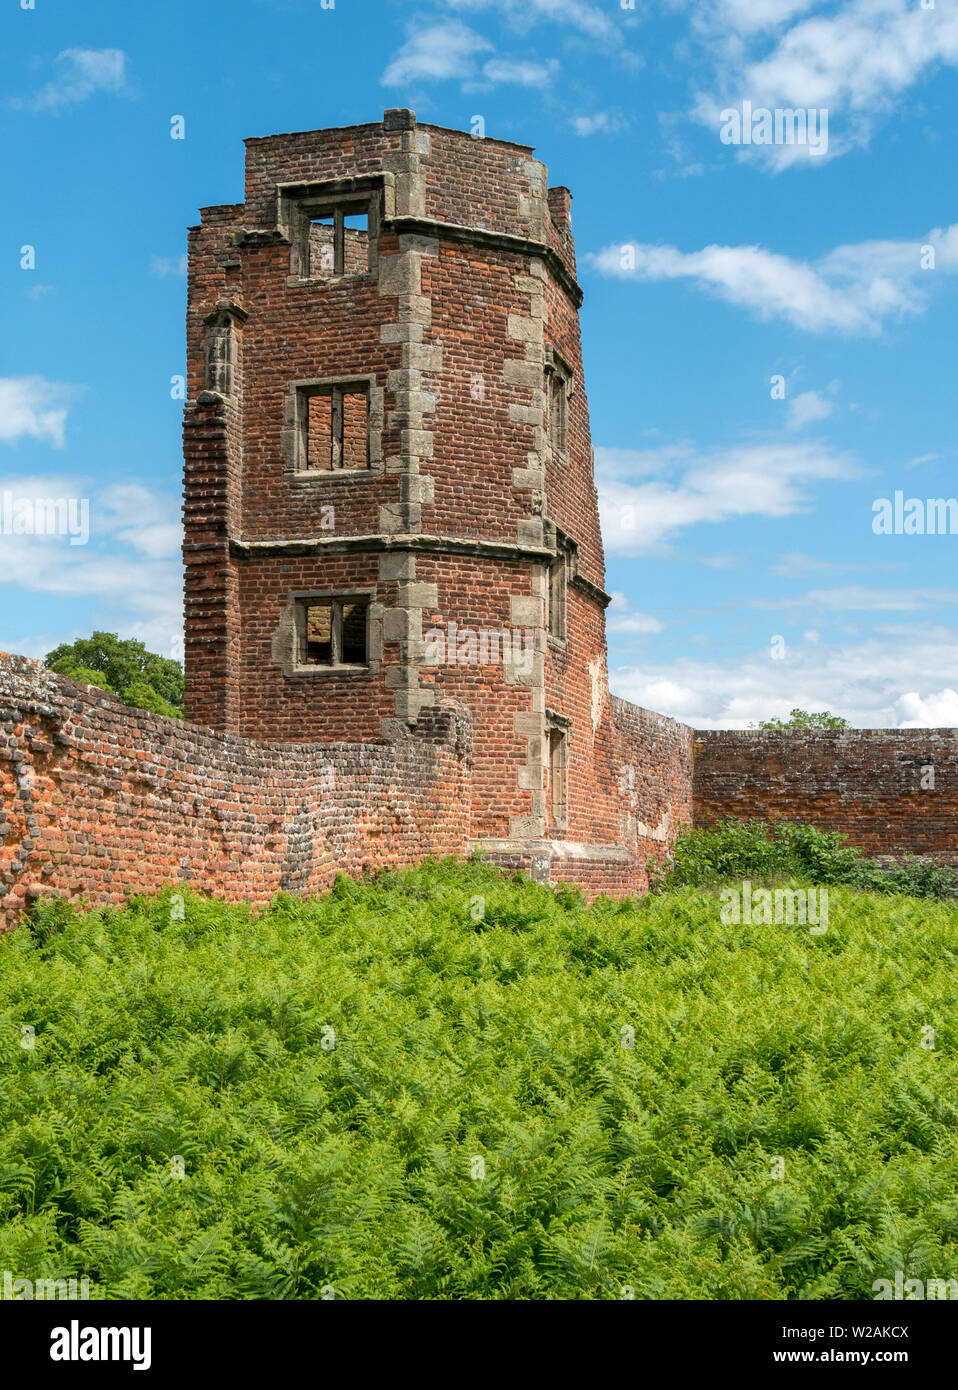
(891, 791)
(100, 801)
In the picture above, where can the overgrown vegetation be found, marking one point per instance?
(779, 850)
(338, 1074)
(802, 719)
(141, 678)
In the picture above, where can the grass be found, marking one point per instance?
(337, 1074)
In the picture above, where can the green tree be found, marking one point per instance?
(123, 665)
(801, 719)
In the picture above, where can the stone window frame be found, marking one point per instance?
(297, 395)
(290, 636)
(299, 203)
(559, 382)
(562, 568)
(558, 735)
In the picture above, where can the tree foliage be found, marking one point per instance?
(123, 665)
(801, 719)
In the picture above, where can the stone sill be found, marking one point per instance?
(556, 849)
(300, 282)
(327, 475)
(343, 670)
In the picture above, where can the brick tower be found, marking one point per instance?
(390, 504)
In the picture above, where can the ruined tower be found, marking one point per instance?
(395, 618)
(390, 504)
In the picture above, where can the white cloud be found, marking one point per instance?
(621, 619)
(855, 289)
(82, 72)
(444, 48)
(32, 407)
(936, 711)
(855, 62)
(806, 409)
(860, 57)
(164, 266)
(520, 73)
(450, 50)
(436, 53)
(751, 480)
(862, 681)
(797, 566)
(589, 20)
(752, 16)
(858, 597)
(142, 519)
(600, 123)
(129, 572)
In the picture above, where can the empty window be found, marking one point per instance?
(332, 225)
(338, 243)
(556, 618)
(334, 428)
(558, 412)
(332, 632)
(558, 777)
(558, 385)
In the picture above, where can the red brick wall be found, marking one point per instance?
(654, 782)
(99, 801)
(637, 773)
(476, 445)
(866, 783)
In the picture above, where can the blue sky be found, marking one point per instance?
(739, 525)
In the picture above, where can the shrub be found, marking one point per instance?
(779, 850)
